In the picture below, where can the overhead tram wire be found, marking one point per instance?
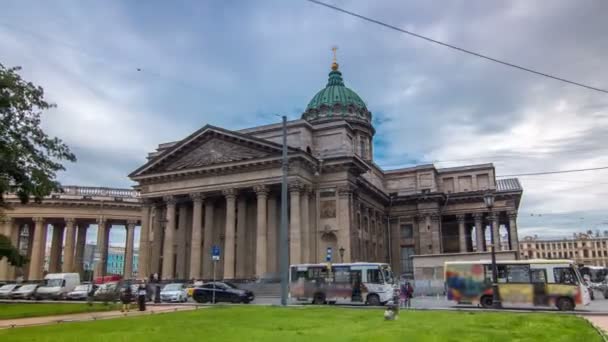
(553, 172)
(476, 54)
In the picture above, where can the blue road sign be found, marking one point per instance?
(328, 256)
(215, 252)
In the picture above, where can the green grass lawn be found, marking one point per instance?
(24, 310)
(316, 324)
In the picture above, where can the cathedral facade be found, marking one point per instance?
(219, 187)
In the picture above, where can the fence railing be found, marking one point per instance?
(99, 191)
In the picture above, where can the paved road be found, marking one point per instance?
(598, 305)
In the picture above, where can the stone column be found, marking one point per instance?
(241, 238)
(272, 236)
(128, 265)
(143, 260)
(493, 218)
(295, 233)
(305, 203)
(168, 250)
(68, 251)
(38, 249)
(197, 235)
(513, 231)
(15, 229)
(345, 198)
(180, 242)
(208, 240)
(101, 248)
(229, 233)
(261, 227)
(479, 233)
(435, 232)
(81, 242)
(56, 246)
(6, 225)
(462, 238)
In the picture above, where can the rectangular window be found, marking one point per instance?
(407, 266)
(518, 273)
(407, 231)
(538, 276)
(327, 193)
(374, 276)
(342, 275)
(564, 275)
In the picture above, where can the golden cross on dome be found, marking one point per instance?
(334, 65)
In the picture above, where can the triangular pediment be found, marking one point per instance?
(207, 147)
(215, 151)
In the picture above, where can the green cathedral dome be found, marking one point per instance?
(336, 101)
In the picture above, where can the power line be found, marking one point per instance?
(552, 172)
(378, 22)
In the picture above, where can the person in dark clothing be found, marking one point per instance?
(141, 297)
(126, 298)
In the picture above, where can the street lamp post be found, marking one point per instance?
(488, 198)
(341, 250)
(284, 243)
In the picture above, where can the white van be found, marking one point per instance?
(57, 285)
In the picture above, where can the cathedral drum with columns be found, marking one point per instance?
(218, 187)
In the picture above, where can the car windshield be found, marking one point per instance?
(27, 287)
(388, 275)
(53, 282)
(232, 286)
(173, 287)
(7, 287)
(82, 288)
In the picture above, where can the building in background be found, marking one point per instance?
(584, 248)
(115, 262)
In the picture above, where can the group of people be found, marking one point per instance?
(126, 297)
(406, 293)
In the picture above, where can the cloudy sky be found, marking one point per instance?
(129, 75)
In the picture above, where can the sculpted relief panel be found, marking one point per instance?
(216, 151)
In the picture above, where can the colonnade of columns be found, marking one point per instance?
(68, 240)
(483, 221)
(242, 222)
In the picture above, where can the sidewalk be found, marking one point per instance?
(599, 321)
(90, 316)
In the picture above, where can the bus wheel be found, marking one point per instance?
(486, 302)
(318, 299)
(565, 304)
(373, 300)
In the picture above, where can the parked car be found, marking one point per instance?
(108, 292)
(224, 292)
(174, 292)
(57, 285)
(7, 289)
(26, 291)
(81, 292)
(195, 285)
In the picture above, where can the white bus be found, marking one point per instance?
(536, 282)
(360, 282)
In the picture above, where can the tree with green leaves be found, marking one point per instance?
(29, 158)
(8, 251)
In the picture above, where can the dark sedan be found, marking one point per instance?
(224, 292)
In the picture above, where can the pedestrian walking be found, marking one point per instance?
(142, 295)
(403, 295)
(409, 294)
(126, 297)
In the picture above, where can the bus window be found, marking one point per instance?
(564, 275)
(501, 274)
(342, 275)
(518, 274)
(538, 276)
(374, 276)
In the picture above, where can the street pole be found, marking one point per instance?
(284, 243)
(213, 300)
(496, 304)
